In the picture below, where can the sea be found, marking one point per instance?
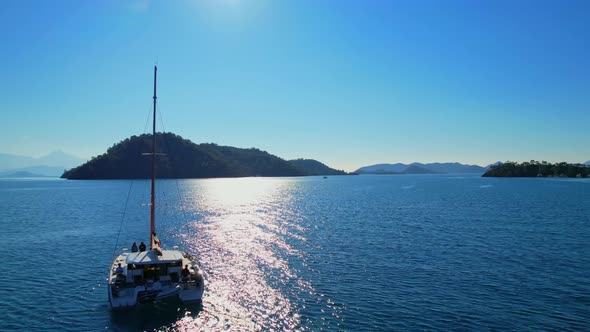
(343, 253)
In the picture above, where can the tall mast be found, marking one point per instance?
(153, 195)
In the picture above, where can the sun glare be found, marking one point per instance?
(243, 237)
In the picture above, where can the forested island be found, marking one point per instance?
(180, 158)
(538, 169)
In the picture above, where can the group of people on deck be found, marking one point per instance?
(141, 247)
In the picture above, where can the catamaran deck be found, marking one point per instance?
(151, 275)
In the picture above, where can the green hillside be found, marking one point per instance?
(314, 167)
(181, 158)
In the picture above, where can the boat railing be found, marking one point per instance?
(123, 284)
(193, 279)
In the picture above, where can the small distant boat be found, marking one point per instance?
(325, 177)
(148, 275)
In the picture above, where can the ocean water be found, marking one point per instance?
(358, 253)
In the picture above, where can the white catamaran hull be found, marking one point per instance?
(150, 276)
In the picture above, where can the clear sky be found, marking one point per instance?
(349, 83)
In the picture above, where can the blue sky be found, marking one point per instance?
(350, 83)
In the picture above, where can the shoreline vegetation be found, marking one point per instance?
(538, 169)
(180, 158)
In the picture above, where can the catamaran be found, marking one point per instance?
(143, 275)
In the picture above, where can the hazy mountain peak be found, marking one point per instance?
(57, 152)
(59, 158)
(51, 164)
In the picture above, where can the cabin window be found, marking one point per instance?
(175, 264)
(154, 272)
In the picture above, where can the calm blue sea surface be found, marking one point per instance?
(405, 252)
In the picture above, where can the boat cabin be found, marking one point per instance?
(151, 266)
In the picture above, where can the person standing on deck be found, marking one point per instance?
(185, 274)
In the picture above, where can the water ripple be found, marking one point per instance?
(353, 253)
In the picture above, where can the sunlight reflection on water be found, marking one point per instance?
(241, 241)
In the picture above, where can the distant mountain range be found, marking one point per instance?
(52, 164)
(181, 158)
(22, 174)
(33, 171)
(419, 168)
(432, 168)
